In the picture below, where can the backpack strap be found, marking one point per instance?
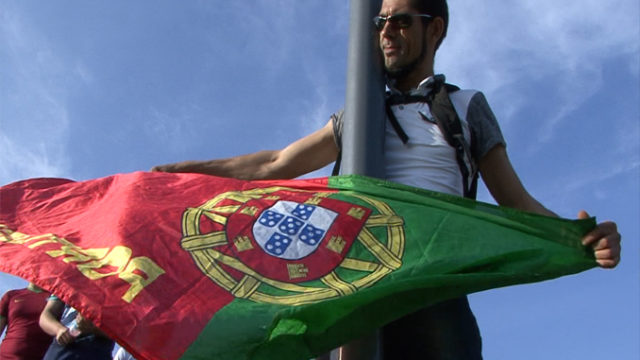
(337, 120)
(336, 165)
(450, 125)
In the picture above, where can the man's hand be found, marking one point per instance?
(84, 325)
(605, 241)
(181, 167)
(87, 327)
(64, 337)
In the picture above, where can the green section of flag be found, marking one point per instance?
(451, 246)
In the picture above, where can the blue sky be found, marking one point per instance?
(93, 88)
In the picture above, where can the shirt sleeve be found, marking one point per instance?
(337, 121)
(484, 127)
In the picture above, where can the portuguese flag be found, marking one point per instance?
(186, 266)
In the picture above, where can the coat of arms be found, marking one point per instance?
(290, 246)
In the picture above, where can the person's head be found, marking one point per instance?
(435, 8)
(410, 32)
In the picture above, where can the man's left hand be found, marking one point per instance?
(605, 241)
(84, 325)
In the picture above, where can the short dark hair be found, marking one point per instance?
(435, 8)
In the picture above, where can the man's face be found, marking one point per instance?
(401, 47)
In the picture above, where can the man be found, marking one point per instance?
(410, 32)
(74, 337)
(19, 313)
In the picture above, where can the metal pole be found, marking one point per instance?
(363, 131)
(364, 116)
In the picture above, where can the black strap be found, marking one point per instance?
(445, 116)
(396, 125)
(397, 99)
(449, 123)
(336, 165)
(336, 119)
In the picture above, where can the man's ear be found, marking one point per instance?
(435, 30)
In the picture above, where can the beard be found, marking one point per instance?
(400, 72)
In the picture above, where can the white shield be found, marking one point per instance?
(290, 230)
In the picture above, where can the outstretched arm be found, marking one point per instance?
(505, 187)
(302, 156)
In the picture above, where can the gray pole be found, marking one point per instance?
(364, 116)
(363, 131)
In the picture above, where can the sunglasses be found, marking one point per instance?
(400, 21)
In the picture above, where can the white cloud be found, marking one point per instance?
(26, 160)
(619, 170)
(83, 73)
(269, 25)
(164, 126)
(283, 37)
(499, 46)
(34, 120)
(589, 186)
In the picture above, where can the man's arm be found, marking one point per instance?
(505, 187)
(51, 325)
(302, 156)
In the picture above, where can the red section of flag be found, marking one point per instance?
(119, 240)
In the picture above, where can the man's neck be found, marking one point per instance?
(413, 79)
(34, 288)
(409, 82)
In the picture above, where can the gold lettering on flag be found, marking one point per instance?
(117, 259)
(137, 281)
(75, 254)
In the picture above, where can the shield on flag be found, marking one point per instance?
(289, 246)
(292, 231)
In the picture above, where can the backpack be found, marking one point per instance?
(445, 116)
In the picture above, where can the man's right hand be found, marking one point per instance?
(63, 336)
(175, 167)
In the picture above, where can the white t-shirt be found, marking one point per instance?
(427, 161)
